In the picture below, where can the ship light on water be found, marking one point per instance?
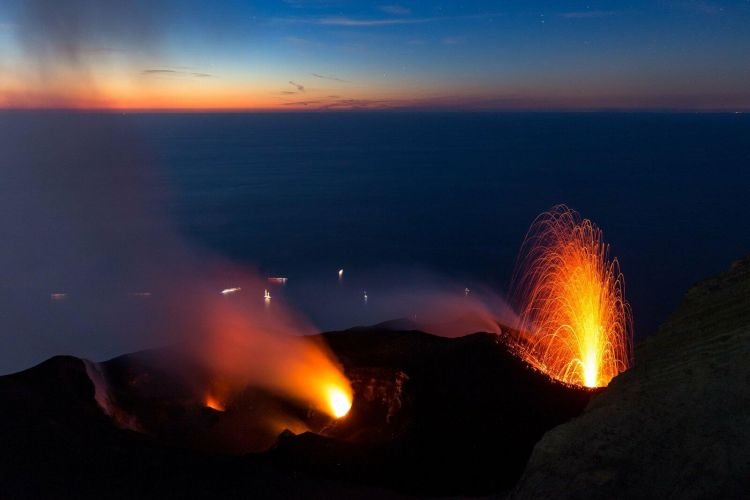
(230, 291)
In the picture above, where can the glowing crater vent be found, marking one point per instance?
(576, 324)
(339, 401)
(214, 403)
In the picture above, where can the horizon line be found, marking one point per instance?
(208, 110)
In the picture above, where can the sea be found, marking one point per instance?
(400, 199)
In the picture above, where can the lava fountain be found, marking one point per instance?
(576, 323)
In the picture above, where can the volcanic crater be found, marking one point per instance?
(427, 413)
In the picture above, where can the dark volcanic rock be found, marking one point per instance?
(467, 416)
(56, 442)
(430, 415)
(677, 425)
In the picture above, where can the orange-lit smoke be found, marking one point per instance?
(243, 344)
(83, 182)
(577, 324)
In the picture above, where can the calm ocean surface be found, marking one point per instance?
(392, 196)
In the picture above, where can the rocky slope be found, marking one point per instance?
(677, 425)
(431, 416)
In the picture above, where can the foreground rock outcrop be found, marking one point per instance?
(677, 425)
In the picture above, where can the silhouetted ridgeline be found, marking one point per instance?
(431, 415)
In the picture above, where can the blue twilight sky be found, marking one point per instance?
(312, 54)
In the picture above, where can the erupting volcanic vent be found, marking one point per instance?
(340, 402)
(271, 353)
(576, 324)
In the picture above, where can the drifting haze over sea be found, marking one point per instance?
(404, 201)
(418, 209)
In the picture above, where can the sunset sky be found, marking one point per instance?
(327, 54)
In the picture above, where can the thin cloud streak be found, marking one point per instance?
(519, 101)
(328, 77)
(343, 21)
(174, 72)
(588, 14)
(699, 6)
(396, 10)
(453, 40)
(350, 21)
(301, 103)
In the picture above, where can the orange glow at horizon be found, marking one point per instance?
(579, 324)
(140, 93)
(132, 91)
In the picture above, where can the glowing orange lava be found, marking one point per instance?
(214, 403)
(276, 353)
(339, 401)
(573, 306)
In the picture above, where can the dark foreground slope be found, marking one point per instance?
(677, 425)
(55, 442)
(430, 416)
(467, 416)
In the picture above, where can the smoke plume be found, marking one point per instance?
(91, 263)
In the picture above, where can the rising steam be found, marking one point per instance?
(80, 221)
(243, 346)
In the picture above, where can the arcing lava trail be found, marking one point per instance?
(576, 324)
